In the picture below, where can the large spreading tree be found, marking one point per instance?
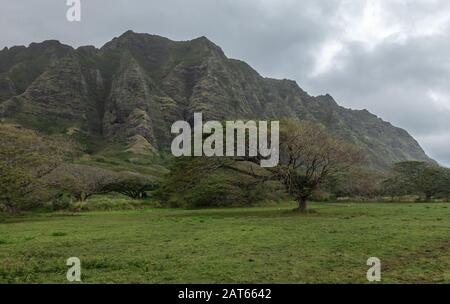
(25, 157)
(308, 156)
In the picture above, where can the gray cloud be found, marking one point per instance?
(391, 57)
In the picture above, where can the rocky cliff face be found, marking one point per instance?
(132, 89)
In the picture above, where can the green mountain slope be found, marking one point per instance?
(130, 91)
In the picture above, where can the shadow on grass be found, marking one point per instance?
(35, 217)
(256, 212)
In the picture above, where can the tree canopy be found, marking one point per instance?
(425, 179)
(25, 157)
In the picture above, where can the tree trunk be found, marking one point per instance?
(11, 209)
(302, 205)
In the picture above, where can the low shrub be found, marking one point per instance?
(111, 203)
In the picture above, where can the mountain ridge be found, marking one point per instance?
(136, 85)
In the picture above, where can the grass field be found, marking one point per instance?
(246, 245)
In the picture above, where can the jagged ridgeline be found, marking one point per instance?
(126, 95)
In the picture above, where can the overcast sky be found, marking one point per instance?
(391, 57)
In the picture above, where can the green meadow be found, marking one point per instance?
(242, 245)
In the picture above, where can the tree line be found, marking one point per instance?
(312, 161)
(35, 168)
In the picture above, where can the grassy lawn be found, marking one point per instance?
(241, 245)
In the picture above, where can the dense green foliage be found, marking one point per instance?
(419, 178)
(37, 169)
(211, 182)
(133, 185)
(357, 183)
(26, 157)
